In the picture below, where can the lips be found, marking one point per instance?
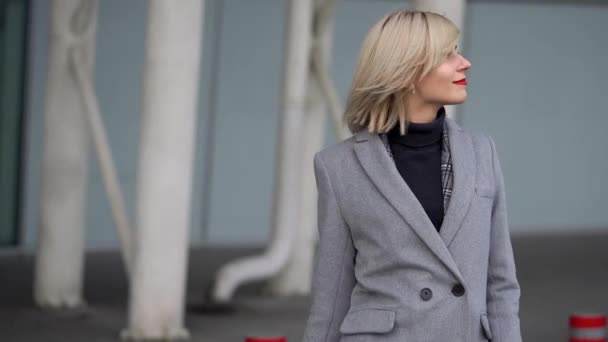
(461, 82)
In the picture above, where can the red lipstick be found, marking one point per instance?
(461, 82)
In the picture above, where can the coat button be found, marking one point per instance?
(458, 290)
(426, 294)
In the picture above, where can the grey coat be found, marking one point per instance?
(384, 274)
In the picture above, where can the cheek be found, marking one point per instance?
(437, 85)
(442, 75)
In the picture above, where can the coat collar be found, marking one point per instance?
(384, 174)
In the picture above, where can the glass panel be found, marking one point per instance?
(13, 21)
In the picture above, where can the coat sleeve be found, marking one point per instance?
(333, 276)
(503, 290)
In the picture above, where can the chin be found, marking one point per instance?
(456, 101)
(459, 99)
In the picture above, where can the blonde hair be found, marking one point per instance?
(400, 49)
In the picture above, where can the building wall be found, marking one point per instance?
(247, 116)
(119, 73)
(536, 86)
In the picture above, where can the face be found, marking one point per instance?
(447, 83)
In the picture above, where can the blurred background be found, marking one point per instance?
(204, 116)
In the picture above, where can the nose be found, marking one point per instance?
(464, 64)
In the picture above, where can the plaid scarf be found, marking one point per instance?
(447, 175)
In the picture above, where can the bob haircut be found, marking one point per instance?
(399, 50)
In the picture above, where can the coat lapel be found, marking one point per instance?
(382, 171)
(464, 167)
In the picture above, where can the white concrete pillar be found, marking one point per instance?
(286, 195)
(455, 11)
(65, 159)
(296, 277)
(167, 137)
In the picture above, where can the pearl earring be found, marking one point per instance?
(413, 91)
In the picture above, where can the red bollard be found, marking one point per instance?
(266, 339)
(588, 328)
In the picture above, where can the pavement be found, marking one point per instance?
(560, 274)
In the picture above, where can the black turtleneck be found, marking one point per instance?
(418, 158)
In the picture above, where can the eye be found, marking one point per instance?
(453, 55)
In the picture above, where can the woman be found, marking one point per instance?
(414, 244)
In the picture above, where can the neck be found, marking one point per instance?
(421, 112)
